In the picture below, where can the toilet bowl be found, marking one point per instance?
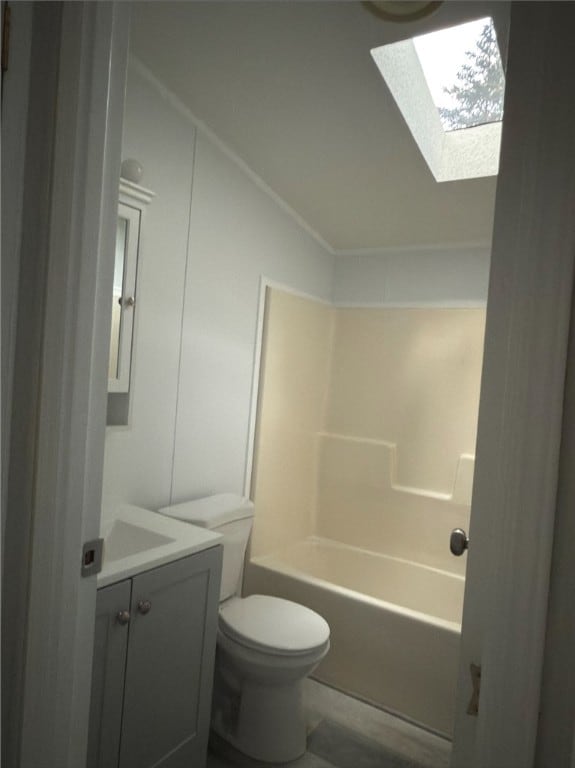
(266, 646)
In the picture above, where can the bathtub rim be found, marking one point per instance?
(264, 562)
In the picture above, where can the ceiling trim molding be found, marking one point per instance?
(421, 304)
(391, 250)
(142, 69)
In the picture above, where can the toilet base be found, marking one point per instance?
(263, 722)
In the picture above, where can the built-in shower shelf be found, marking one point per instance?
(388, 462)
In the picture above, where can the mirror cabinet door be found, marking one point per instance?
(123, 299)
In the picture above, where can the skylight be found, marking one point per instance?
(449, 87)
(462, 67)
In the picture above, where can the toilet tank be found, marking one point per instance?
(229, 515)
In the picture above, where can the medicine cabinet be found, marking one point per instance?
(133, 200)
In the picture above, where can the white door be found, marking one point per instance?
(78, 54)
(521, 405)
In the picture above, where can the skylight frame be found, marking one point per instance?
(451, 155)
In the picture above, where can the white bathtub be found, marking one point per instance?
(395, 625)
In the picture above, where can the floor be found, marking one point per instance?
(347, 733)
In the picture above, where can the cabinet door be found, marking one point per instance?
(110, 646)
(169, 672)
(123, 298)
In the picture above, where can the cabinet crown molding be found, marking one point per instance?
(136, 192)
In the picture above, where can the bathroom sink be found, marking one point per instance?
(125, 539)
(137, 540)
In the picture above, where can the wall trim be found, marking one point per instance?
(182, 321)
(397, 250)
(440, 304)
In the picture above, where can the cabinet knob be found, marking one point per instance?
(129, 301)
(144, 606)
(123, 617)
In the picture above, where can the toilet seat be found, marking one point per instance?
(273, 625)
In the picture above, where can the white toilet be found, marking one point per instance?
(266, 645)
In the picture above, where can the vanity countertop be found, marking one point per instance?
(137, 540)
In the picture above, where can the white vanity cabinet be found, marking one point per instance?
(153, 666)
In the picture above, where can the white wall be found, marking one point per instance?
(138, 459)
(444, 276)
(210, 233)
(237, 233)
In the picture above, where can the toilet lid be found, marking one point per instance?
(273, 624)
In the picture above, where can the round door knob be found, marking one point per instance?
(123, 617)
(144, 606)
(129, 301)
(458, 542)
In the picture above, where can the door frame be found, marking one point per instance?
(521, 405)
(67, 424)
(70, 436)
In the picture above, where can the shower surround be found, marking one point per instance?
(363, 463)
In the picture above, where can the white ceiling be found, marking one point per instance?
(292, 89)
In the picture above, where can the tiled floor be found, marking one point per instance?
(346, 733)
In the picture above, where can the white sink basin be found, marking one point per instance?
(125, 539)
(136, 540)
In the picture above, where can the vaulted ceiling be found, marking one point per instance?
(292, 89)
